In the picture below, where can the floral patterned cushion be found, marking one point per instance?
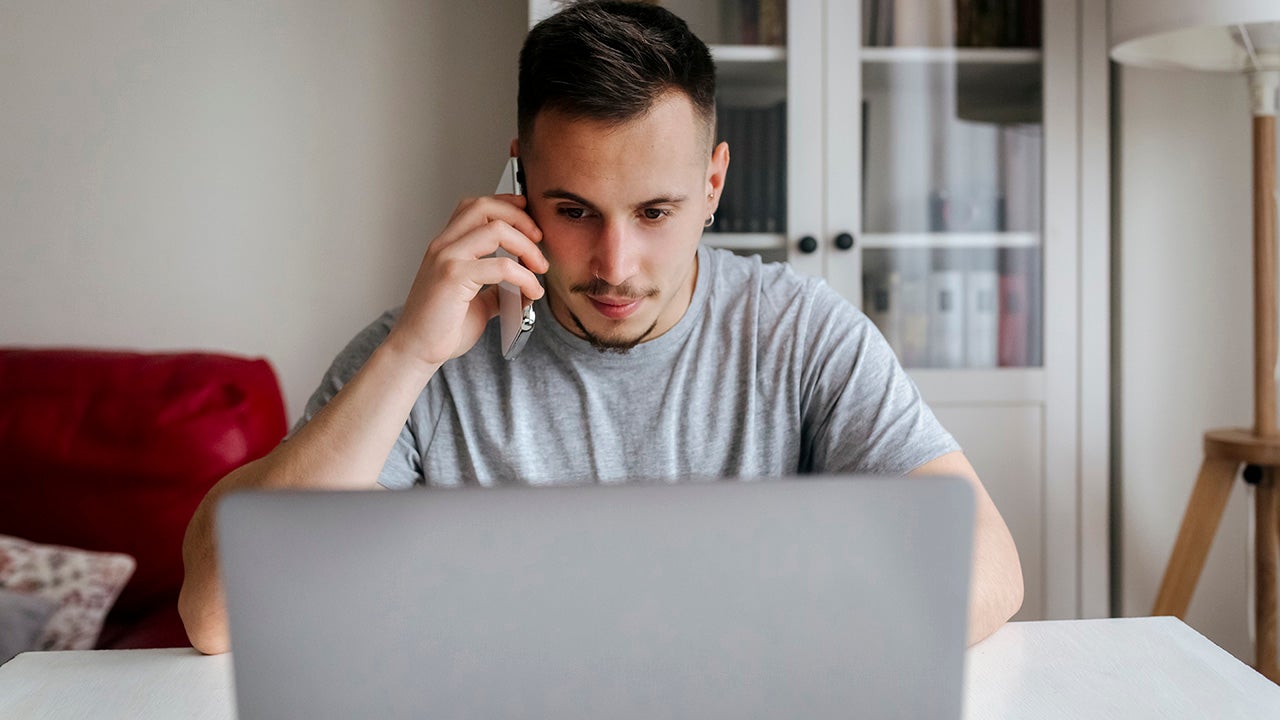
(84, 585)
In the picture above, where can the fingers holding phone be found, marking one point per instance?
(471, 213)
(455, 294)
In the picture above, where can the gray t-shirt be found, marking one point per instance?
(769, 373)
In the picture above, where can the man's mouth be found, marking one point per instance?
(615, 308)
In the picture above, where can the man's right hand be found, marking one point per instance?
(455, 292)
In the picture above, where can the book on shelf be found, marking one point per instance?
(773, 22)
(754, 22)
(754, 198)
(1015, 307)
(997, 23)
(748, 16)
(1020, 149)
(723, 207)
(941, 307)
(1035, 307)
(981, 309)
(882, 303)
(757, 132)
(862, 153)
(732, 201)
(966, 211)
(768, 161)
(946, 314)
(877, 22)
(867, 28)
(772, 158)
(923, 23)
(740, 192)
(913, 291)
(779, 167)
(959, 23)
(1031, 20)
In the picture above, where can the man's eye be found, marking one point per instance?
(573, 213)
(655, 213)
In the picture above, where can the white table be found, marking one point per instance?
(1129, 668)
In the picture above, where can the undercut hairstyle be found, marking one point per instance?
(611, 61)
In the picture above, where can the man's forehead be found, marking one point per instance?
(670, 126)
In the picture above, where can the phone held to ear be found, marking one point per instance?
(514, 315)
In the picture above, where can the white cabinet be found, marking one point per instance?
(932, 166)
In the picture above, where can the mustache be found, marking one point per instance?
(596, 286)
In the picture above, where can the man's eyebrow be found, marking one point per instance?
(557, 194)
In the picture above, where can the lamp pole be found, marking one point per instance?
(1263, 86)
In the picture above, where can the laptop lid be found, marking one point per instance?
(813, 598)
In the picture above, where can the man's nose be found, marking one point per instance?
(615, 259)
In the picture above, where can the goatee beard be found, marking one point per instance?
(604, 345)
(599, 287)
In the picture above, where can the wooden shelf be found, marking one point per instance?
(747, 65)
(952, 55)
(746, 241)
(736, 54)
(997, 85)
(883, 241)
(888, 241)
(1007, 71)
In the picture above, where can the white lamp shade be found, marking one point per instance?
(1196, 34)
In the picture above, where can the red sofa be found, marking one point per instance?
(113, 451)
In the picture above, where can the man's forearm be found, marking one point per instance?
(342, 448)
(996, 587)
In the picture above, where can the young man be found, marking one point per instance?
(654, 357)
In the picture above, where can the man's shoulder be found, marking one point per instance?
(774, 289)
(740, 272)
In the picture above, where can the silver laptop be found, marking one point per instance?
(804, 598)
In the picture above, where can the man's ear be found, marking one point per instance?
(716, 170)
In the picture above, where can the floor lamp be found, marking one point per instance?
(1241, 36)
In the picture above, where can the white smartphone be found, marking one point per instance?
(514, 315)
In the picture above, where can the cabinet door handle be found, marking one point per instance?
(808, 244)
(844, 241)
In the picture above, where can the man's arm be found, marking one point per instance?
(342, 448)
(996, 590)
(347, 442)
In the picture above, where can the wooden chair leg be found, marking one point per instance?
(1265, 509)
(1199, 525)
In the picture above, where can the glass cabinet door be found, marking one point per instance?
(950, 131)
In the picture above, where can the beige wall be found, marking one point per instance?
(254, 177)
(1185, 326)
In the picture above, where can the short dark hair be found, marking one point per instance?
(610, 61)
